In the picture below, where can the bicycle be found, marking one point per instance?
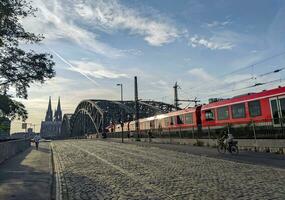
(230, 147)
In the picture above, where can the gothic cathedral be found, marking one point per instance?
(50, 128)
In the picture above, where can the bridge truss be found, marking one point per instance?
(93, 116)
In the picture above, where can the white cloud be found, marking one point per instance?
(213, 43)
(52, 21)
(215, 23)
(95, 70)
(111, 15)
(78, 21)
(200, 73)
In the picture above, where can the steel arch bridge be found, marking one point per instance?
(65, 126)
(93, 116)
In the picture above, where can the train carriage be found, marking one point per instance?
(260, 115)
(254, 110)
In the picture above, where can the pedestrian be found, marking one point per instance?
(37, 140)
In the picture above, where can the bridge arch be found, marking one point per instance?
(94, 115)
(65, 126)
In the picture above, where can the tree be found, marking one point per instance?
(19, 68)
(11, 108)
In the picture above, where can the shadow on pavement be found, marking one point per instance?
(26, 176)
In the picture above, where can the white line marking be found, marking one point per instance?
(137, 179)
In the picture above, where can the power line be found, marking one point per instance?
(259, 62)
(251, 78)
(247, 87)
(246, 67)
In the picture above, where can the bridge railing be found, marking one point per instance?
(12, 147)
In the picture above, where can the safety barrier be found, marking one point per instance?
(12, 147)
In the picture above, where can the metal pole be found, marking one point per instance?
(209, 135)
(122, 92)
(228, 128)
(121, 86)
(254, 133)
(122, 125)
(175, 95)
(137, 108)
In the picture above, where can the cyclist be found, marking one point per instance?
(227, 139)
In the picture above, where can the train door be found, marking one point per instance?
(277, 105)
(198, 118)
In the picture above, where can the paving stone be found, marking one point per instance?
(103, 170)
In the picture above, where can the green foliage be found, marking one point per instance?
(4, 125)
(19, 68)
(11, 108)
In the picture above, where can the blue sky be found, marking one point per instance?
(97, 44)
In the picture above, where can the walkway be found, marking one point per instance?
(27, 175)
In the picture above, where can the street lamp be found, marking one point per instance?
(121, 85)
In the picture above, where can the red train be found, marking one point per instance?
(264, 112)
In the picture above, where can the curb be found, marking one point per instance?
(52, 174)
(56, 175)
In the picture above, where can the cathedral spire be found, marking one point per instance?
(58, 112)
(49, 111)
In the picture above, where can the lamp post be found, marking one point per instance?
(121, 85)
(122, 134)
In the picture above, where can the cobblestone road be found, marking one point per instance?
(90, 169)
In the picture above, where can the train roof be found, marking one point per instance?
(246, 97)
(174, 113)
(179, 112)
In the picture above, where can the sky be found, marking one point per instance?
(211, 48)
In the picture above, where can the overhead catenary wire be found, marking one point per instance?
(252, 78)
(254, 64)
(245, 67)
(246, 79)
(247, 87)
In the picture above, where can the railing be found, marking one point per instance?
(12, 147)
(261, 129)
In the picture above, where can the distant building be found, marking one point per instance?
(5, 125)
(50, 128)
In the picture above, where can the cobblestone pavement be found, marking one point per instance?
(90, 169)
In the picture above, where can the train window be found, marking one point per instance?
(209, 114)
(238, 111)
(151, 124)
(166, 121)
(189, 118)
(223, 113)
(254, 108)
(171, 120)
(179, 119)
(282, 107)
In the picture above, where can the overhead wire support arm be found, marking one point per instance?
(177, 100)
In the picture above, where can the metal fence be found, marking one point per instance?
(262, 129)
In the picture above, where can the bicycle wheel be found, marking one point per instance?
(234, 150)
(221, 148)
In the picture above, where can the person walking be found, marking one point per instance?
(37, 140)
